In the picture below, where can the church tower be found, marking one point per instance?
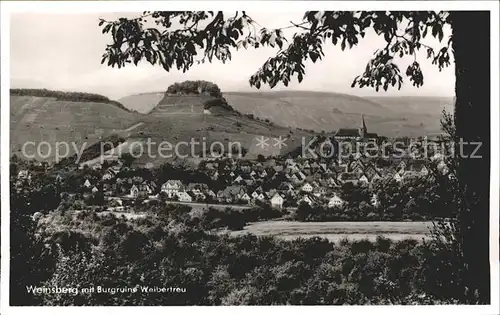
(362, 129)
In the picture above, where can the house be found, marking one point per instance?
(255, 195)
(376, 178)
(424, 171)
(397, 177)
(277, 201)
(335, 201)
(278, 168)
(87, 183)
(245, 197)
(261, 197)
(108, 175)
(285, 186)
(137, 191)
(171, 187)
(234, 191)
(306, 199)
(238, 179)
(307, 188)
(319, 191)
(196, 188)
(210, 193)
(357, 167)
(97, 166)
(300, 176)
(95, 189)
(363, 180)
(401, 166)
(183, 196)
(24, 175)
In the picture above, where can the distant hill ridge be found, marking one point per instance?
(328, 111)
(68, 96)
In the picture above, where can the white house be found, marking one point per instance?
(255, 195)
(397, 177)
(140, 191)
(171, 187)
(364, 180)
(183, 196)
(335, 201)
(261, 197)
(245, 197)
(95, 189)
(210, 193)
(134, 191)
(424, 171)
(277, 201)
(307, 188)
(87, 183)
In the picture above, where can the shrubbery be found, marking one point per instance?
(195, 87)
(173, 249)
(235, 219)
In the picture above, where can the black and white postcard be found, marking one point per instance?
(250, 153)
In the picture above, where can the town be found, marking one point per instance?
(279, 182)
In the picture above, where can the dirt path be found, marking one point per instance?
(134, 127)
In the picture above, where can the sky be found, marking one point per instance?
(63, 52)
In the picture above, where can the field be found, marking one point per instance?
(336, 231)
(181, 119)
(388, 116)
(40, 119)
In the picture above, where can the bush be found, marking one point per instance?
(195, 87)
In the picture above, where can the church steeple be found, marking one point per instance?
(362, 128)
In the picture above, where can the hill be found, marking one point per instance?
(178, 120)
(388, 116)
(54, 118)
